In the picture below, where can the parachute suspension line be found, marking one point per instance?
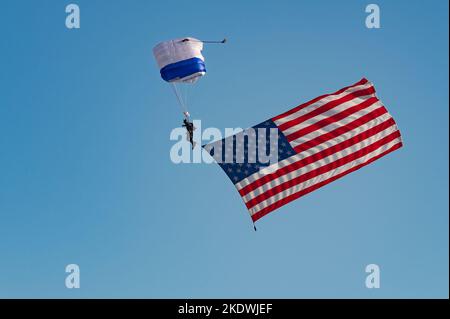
(180, 98)
(184, 89)
(185, 95)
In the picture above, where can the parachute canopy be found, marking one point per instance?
(180, 60)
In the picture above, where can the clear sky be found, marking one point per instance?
(86, 177)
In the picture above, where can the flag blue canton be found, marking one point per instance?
(239, 169)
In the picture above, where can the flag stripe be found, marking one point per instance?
(373, 134)
(309, 113)
(326, 114)
(330, 132)
(334, 176)
(349, 115)
(304, 105)
(320, 143)
(295, 184)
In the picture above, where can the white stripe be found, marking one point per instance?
(257, 175)
(319, 163)
(335, 110)
(322, 177)
(326, 129)
(321, 102)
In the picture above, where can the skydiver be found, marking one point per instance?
(190, 130)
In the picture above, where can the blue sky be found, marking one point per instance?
(86, 177)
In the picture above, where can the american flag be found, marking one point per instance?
(316, 143)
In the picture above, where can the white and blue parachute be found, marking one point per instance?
(180, 60)
(181, 63)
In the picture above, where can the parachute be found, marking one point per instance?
(180, 60)
(181, 64)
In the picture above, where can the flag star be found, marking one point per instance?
(235, 178)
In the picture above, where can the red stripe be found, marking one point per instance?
(326, 107)
(305, 191)
(340, 130)
(332, 119)
(301, 106)
(317, 156)
(322, 169)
